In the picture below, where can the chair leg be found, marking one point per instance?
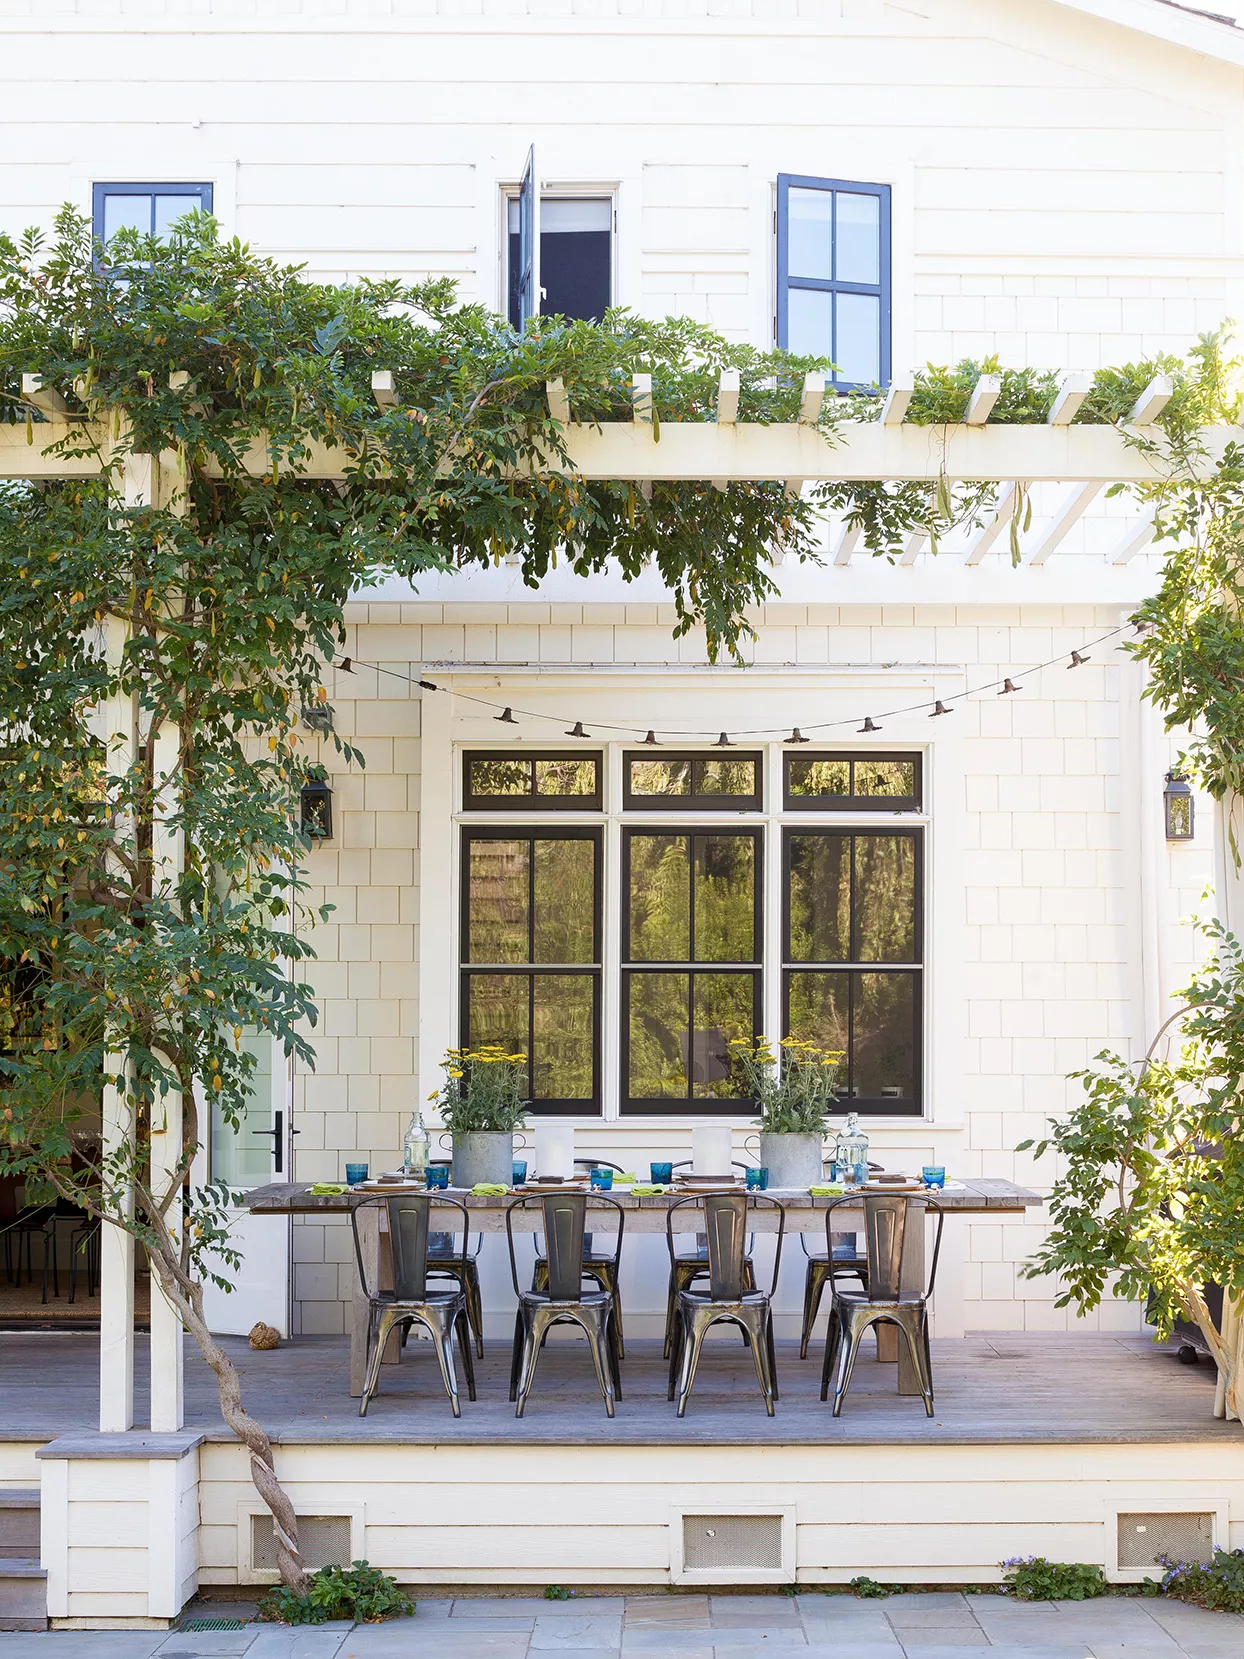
(833, 1337)
(516, 1358)
(813, 1291)
(671, 1309)
(760, 1354)
(769, 1345)
(443, 1342)
(608, 1281)
(673, 1352)
(918, 1346)
(463, 1326)
(848, 1348)
(377, 1335)
(597, 1337)
(535, 1329)
(475, 1307)
(693, 1341)
(614, 1336)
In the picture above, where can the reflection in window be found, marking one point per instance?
(691, 898)
(852, 905)
(149, 209)
(853, 783)
(532, 902)
(694, 780)
(544, 781)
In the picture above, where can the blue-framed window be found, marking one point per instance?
(150, 209)
(833, 268)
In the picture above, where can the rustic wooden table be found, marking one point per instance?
(647, 1214)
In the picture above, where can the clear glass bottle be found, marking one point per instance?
(415, 1146)
(851, 1152)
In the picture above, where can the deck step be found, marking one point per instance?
(23, 1594)
(19, 1523)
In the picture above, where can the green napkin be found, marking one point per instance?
(626, 1180)
(326, 1189)
(645, 1189)
(489, 1189)
(826, 1191)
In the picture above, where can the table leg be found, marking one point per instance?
(369, 1244)
(913, 1280)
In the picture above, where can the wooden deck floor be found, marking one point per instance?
(1002, 1389)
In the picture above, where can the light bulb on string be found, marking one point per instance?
(1077, 660)
(506, 717)
(346, 665)
(723, 742)
(797, 736)
(1008, 687)
(940, 708)
(650, 742)
(427, 685)
(577, 730)
(870, 725)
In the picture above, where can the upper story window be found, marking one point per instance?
(833, 269)
(676, 783)
(505, 782)
(559, 253)
(150, 209)
(856, 782)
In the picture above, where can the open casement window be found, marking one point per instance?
(691, 941)
(506, 781)
(530, 953)
(822, 782)
(833, 275)
(852, 950)
(150, 209)
(692, 782)
(559, 253)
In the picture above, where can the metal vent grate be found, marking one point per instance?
(323, 1541)
(732, 1543)
(1183, 1537)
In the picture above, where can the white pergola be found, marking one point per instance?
(1085, 459)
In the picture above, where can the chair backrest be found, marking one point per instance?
(726, 1238)
(564, 1217)
(893, 1226)
(408, 1236)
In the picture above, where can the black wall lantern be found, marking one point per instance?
(1178, 806)
(315, 809)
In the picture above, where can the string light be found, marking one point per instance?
(650, 740)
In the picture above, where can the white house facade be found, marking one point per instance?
(970, 906)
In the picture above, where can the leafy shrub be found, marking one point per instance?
(869, 1588)
(1220, 1586)
(1033, 1578)
(361, 1593)
(557, 1592)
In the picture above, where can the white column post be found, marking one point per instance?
(1229, 897)
(167, 1368)
(116, 1267)
(436, 923)
(1144, 852)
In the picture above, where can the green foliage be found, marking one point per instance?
(1033, 1578)
(1218, 1586)
(557, 1592)
(794, 1090)
(869, 1590)
(484, 1089)
(1151, 1183)
(360, 1593)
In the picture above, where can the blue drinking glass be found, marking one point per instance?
(519, 1175)
(602, 1180)
(933, 1175)
(661, 1174)
(355, 1174)
(757, 1180)
(437, 1177)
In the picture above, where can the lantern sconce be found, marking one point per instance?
(1177, 806)
(315, 810)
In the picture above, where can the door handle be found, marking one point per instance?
(278, 1141)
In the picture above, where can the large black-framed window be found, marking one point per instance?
(833, 275)
(692, 949)
(852, 952)
(150, 209)
(696, 781)
(506, 780)
(531, 955)
(823, 781)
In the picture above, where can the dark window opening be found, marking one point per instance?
(576, 258)
(544, 782)
(821, 782)
(674, 782)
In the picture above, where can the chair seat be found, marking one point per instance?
(432, 1299)
(749, 1298)
(585, 1298)
(859, 1299)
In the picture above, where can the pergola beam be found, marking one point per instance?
(1072, 391)
(985, 538)
(984, 395)
(46, 399)
(1071, 511)
(745, 452)
(1137, 538)
(898, 399)
(852, 535)
(728, 397)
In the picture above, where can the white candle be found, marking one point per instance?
(555, 1149)
(710, 1149)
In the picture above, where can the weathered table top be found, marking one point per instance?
(646, 1213)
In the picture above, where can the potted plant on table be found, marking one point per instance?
(483, 1100)
(795, 1091)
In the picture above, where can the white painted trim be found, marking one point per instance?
(54, 1533)
(438, 1002)
(1148, 1501)
(680, 1574)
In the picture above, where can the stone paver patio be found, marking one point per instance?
(938, 1625)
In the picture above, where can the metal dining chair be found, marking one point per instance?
(685, 1270)
(563, 1300)
(729, 1296)
(446, 1261)
(891, 1221)
(440, 1312)
(844, 1256)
